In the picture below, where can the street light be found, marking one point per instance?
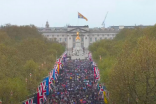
(30, 75)
(100, 57)
(11, 93)
(26, 80)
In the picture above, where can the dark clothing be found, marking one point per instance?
(74, 84)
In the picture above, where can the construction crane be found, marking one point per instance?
(103, 23)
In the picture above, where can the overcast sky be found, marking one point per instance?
(62, 12)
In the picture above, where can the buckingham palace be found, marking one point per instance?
(67, 35)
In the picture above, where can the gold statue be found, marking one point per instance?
(77, 38)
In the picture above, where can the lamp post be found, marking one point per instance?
(30, 86)
(100, 57)
(26, 80)
(30, 75)
(11, 93)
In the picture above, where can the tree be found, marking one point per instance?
(128, 68)
(23, 51)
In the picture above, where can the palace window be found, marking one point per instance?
(90, 39)
(95, 39)
(65, 39)
(82, 39)
(86, 38)
(81, 44)
(107, 34)
(100, 38)
(60, 39)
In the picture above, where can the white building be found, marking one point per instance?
(68, 35)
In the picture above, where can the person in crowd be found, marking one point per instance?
(75, 84)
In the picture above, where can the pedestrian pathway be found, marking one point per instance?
(76, 84)
(71, 82)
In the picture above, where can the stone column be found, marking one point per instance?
(86, 41)
(69, 44)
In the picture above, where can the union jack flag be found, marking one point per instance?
(29, 101)
(56, 73)
(39, 95)
(43, 84)
(50, 81)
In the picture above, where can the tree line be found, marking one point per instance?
(25, 58)
(128, 65)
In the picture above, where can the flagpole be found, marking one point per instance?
(77, 20)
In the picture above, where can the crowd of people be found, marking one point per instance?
(76, 84)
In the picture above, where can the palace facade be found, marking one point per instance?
(68, 35)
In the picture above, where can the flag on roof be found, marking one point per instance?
(81, 16)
